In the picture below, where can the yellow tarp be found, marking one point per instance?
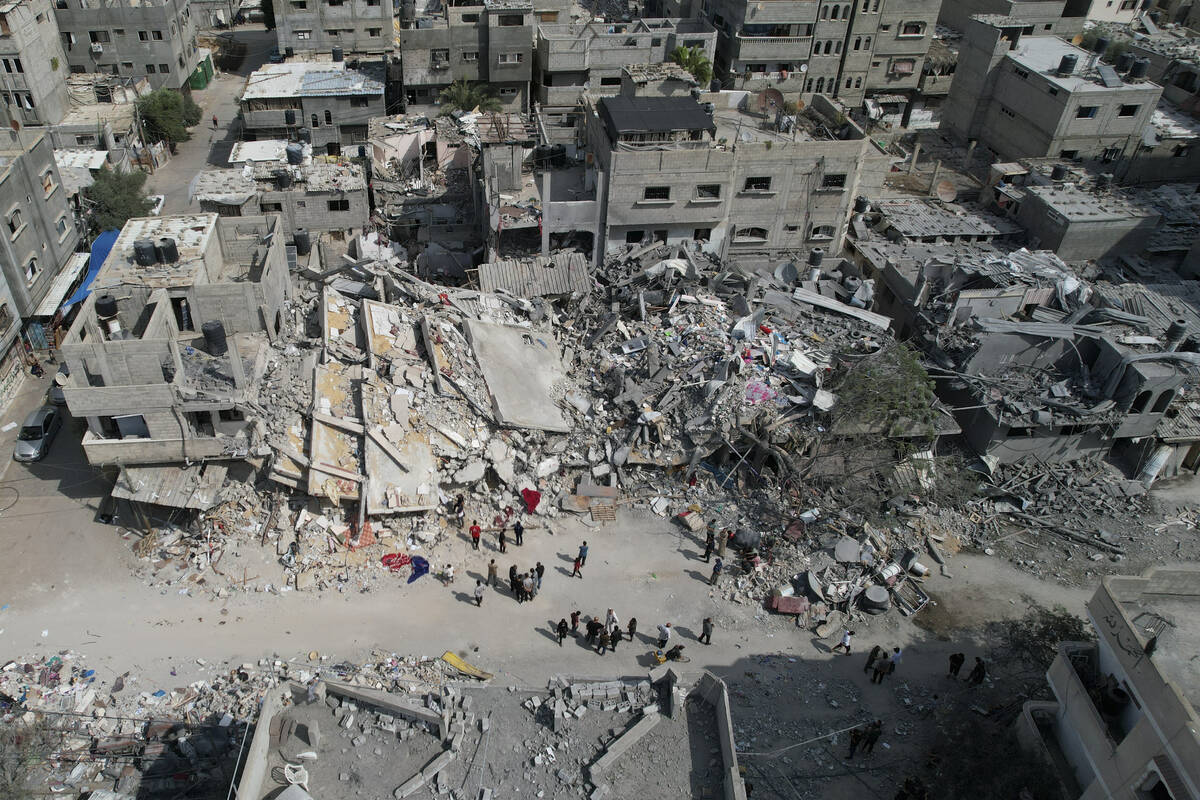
(465, 668)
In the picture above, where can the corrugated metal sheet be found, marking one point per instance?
(541, 276)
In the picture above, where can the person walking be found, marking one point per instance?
(459, 510)
(575, 615)
(512, 579)
(716, 573)
(448, 574)
(503, 542)
(956, 662)
(593, 630)
(874, 731)
(475, 532)
(723, 542)
(540, 569)
(478, 593)
(518, 533)
(610, 620)
(978, 672)
(856, 737)
(710, 542)
(562, 631)
(582, 557)
(894, 661)
(605, 641)
(706, 629)
(632, 628)
(616, 637)
(664, 635)
(881, 668)
(575, 570)
(876, 652)
(214, 122)
(847, 635)
(527, 586)
(492, 573)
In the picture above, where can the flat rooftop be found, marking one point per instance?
(313, 79)
(1176, 620)
(1087, 205)
(192, 234)
(227, 185)
(1042, 54)
(917, 218)
(644, 73)
(1169, 122)
(119, 115)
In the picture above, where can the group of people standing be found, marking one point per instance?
(603, 635)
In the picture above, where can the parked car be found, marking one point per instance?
(56, 395)
(37, 434)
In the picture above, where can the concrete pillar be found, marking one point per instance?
(235, 364)
(933, 182)
(970, 152)
(916, 153)
(545, 206)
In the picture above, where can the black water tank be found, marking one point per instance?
(1058, 172)
(338, 55)
(295, 154)
(715, 85)
(214, 337)
(106, 306)
(303, 242)
(1100, 45)
(1067, 65)
(861, 205)
(815, 257)
(1125, 61)
(288, 52)
(167, 251)
(1139, 70)
(283, 178)
(362, 151)
(304, 135)
(143, 253)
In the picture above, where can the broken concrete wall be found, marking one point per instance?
(502, 167)
(1010, 445)
(253, 784)
(716, 694)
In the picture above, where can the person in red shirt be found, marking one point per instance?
(475, 532)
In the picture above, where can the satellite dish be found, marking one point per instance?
(946, 191)
(804, 67)
(787, 273)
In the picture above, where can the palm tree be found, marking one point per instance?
(465, 96)
(694, 61)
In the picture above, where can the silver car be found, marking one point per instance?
(37, 433)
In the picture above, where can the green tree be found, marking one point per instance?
(463, 95)
(694, 61)
(268, 10)
(167, 114)
(889, 391)
(116, 197)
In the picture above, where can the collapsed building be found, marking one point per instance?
(317, 193)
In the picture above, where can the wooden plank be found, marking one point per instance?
(376, 435)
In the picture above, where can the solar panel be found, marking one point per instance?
(1109, 76)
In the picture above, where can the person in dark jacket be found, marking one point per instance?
(562, 631)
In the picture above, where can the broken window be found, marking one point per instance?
(702, 234)
(511, 20)
(1086, 112)
(751, 234)
(339, 205)
(835, 181)
(633, 237)
(657, 193)
(759, 184)
(708, 191)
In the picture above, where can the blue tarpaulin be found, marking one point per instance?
(100, 250)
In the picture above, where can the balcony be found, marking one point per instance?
(771, 48)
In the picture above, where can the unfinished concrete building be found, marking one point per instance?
(847, 50)
(737, 178)
(34, 63)
(325, 103)
(1084, 223)
(1031, 96)
(1123, 722)
(275, 177)
(166, 351)
(591, 56)
(489, 41)
(130, 38)
(359, 27)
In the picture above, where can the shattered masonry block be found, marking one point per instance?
(439, 763)
(579, 712)
(599, 792)
(652, 708)
(484, 724)
(410, 786)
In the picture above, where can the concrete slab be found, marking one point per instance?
(524, 373)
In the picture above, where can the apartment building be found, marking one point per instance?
(489, 42)
(169, 346)
(1041, 17)
(742, 181)
(33, 82)
(274, 177)
(361, 27)
(846, 50)
(151, 38)
(39, 236)
(325, 103)
(1123, 721)
(1031, 96)
(590, 56)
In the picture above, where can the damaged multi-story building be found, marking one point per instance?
(278, 177)
(574, 58)
(730, 173)
(353, 27)
(847, 50)
(325, 103)
(1033, 96)
(166, 351)
(489, 41)
(31, 52)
